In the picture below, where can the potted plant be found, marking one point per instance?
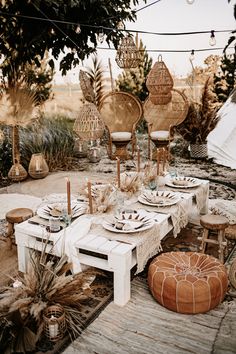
(200, 120)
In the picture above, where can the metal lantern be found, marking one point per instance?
(159, 83)
(38, 167)
(127, 55)
(89, 125)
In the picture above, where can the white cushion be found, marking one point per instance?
(160, 135)
(121, 136)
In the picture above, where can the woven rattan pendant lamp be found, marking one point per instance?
(127, 55)
(159, 83)
(89, 125)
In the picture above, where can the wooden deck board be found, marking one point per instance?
(143, 326)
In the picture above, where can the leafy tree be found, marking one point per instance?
(134, 80)
(24, 39)
(225, 79)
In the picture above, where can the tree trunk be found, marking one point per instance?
(15, 144)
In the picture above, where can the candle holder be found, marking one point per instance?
(17, 172)
(54, 322)
(38, 167)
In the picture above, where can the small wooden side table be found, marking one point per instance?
(16, 216)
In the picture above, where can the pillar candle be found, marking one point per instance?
(138, 159)
(158, 162)
(89, 185)
(68, 196)
(118, 171)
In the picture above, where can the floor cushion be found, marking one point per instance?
(187, 282)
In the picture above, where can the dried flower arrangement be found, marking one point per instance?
(201, 117)
(130, 182)
(47, 282)
(150, 173)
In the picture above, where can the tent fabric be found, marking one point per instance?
(221, 141)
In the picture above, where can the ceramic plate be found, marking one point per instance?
(128, 223)
(184, 182)
(56, 209)
(159, 198)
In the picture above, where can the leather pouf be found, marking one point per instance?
(187, 282)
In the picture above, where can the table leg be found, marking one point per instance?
(23, 257)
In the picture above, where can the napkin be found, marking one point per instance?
(66, 243)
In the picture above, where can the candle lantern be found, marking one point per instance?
(127, 55)
(94, 154)
(159, 83)
(54, 322)
(38, 167)
(17, 172)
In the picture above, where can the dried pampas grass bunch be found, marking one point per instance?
(150, 173)
(48, 281)
(130, 182)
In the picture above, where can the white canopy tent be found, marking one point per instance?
(221, 142)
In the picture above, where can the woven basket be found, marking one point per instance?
(17, 173)
(198, 151)
(160, 99)
(159, 82)
(127, 55)
(54, 322)
(89, 124)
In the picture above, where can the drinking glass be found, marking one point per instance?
(54, 224)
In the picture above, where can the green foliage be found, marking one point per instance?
(226, 78)
(96, 74)
(134, 80)
(53, 137)
(5, 151)
(25, 39)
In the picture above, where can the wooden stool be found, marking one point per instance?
(15, 216)
(217, 223)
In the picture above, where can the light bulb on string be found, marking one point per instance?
(100, 36)
(192, 57)
(212, 40)
(190, 2)
(78, 29)
(120, 25)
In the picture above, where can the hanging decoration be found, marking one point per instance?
(127, 55)
(89, 125)
(86, 86)
(159, 83)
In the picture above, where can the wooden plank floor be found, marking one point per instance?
(145, 327)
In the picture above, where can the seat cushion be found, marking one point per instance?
(187, 282)
(121, 136)
(160, 135)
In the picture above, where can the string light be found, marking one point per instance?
(100, 36)
(212, 40)
(78, 29)
(190, 2)
(192, 57)
(120, 25)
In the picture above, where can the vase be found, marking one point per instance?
(198, 151)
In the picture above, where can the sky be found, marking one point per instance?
(173, 16)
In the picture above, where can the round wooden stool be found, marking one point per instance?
(15, 216)
(218, 223)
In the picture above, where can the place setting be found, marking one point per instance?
(183, 182)
(159, 198)
(128, 221)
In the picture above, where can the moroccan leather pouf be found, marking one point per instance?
(187, 282)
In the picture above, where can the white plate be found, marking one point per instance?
(188, 182)
(135, 221)
(77, 209)
(159, 198)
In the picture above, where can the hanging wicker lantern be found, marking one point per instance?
(89, 124)
(17, 172)
(38, 167)
(127, 55)
(159, 83)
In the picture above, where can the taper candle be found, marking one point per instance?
(158, 162)
(68, 196)
(118, 171)
(89, 185)
(164, 159)
(138, 159)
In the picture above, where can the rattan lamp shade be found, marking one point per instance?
(89, 124)
(159, 83)
(127, 55)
